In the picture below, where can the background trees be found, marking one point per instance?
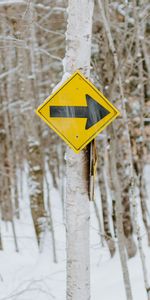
(32, 48)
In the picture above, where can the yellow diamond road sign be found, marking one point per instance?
(77, 111)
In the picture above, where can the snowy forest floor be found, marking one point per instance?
(30, 275)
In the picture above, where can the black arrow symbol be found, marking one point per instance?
(94, 112)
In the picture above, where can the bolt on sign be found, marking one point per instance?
(77, 111)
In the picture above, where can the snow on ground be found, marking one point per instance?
(30, 275)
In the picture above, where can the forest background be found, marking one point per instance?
(32, 157)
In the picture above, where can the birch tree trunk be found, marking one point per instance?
(119, 217)
(78, 52)
(104, 196)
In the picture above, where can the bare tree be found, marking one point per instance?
(102, 152)
(119, 218)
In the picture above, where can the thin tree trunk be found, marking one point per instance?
(28, 90)
(50, 220)
(104, 200)
(119, 217)
(8, 148)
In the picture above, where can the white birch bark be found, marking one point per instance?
(119, 221)
(78, 52)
